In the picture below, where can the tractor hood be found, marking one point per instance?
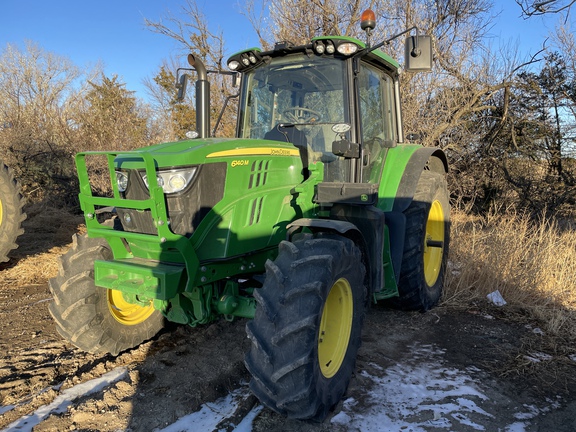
(202, 151)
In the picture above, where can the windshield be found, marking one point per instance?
(296, 99)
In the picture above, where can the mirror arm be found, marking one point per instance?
(181, 85)
(386, 42)
(222, 112)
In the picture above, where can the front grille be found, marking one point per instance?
(186, 209)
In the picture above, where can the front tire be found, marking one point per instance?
(426, 244)
(96, 319)
(11, 214)
(306, 330)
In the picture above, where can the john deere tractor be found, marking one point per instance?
(315, 209)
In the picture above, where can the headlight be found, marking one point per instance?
(347, 48)
(172, 181)
(121, 181)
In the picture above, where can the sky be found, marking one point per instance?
(113, 33)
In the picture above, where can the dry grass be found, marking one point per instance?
(35, 269)
(532, 264)
(48, 234)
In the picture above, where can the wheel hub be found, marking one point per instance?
(127, 313)
(434, 243)
(335, 328)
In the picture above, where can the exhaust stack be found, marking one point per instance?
(202, 97)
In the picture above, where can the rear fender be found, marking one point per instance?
(400, 177)
(401, 172)
(426, 158)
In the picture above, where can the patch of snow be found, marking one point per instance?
(246, 424)
(211, 414)
(537, 357)
(516, 427)
(341, 418)
(532, 412)
(416, 395)
(422, 394)
(535, 330)
(5, 409)
(62, 401)
(43, 301)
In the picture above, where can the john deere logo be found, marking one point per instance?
(364, 197)
(280, 152)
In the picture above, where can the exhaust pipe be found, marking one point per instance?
(202, 97)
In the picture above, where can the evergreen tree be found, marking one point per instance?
(112, 119)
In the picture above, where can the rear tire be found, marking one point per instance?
(11, 214)
(426, 244)
(93, 318)
(306, 330)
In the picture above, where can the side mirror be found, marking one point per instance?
(418, 53)
(346, 149)
(236, 78)
(181, 86)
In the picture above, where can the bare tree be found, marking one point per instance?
(543, 7)
(298, 21)
(39, 95)
(50, 109)
(566, 45)
(173, 117)
(35, 87)
(191, 29)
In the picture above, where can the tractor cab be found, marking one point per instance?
(306, 95)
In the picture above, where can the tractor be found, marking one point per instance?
(317, 208)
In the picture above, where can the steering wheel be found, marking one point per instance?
(302, 115)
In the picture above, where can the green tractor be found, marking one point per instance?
(315, 209)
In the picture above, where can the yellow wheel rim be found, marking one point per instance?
(127, 313)
(434, 243)
(335, 328)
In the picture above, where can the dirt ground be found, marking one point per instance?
(183, 367)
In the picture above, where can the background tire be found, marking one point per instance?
(306, 330)
(11, 214)
(93, 318)
(426, 244)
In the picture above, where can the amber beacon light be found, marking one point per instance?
(368, 20)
